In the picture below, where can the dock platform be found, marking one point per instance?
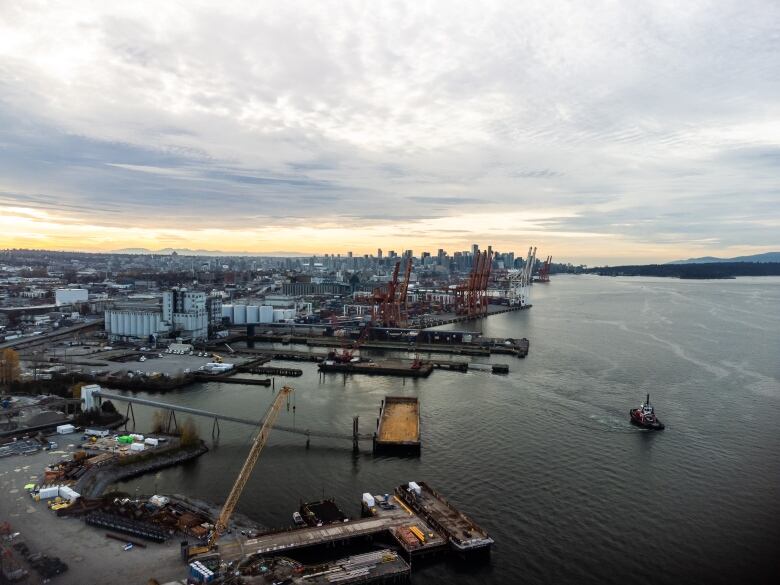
(383, 566)
(465, 537)
(398, 427)
(421, 529)
(388, 367)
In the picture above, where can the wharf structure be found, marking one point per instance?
(405, 368)
(421, 529)
(382, 566)
(398, 426)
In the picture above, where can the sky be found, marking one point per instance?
(601, 132)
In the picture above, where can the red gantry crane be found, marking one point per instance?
(544, 270)
(471, 296)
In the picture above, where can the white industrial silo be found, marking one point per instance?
(239, 314)
(266, 314)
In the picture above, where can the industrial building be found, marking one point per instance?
(181, 313)
(310, 288)
(69, 296)
(132, 323)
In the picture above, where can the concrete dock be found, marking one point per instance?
(420, 529)
(389, 367)
(330, 535)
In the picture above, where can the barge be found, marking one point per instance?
(464, 536)
(398, 426)
(411, 369)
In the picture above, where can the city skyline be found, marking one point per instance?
(600, 134)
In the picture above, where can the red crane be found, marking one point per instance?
(544, 270)
(403, 304)
(471, 296)
(386, 308)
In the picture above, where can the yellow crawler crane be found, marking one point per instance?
(243, 476)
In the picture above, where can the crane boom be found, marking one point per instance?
(249, 464)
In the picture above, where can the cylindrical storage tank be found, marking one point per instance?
(278, 315)
(239, 314)
(114, 322)
(289, 313)
(227, 311)
(126, 323)
(252, 314)
(266, 314)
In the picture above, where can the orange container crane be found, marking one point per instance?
(544, 270)
(471, 296)
(386, 310)
(403, 302)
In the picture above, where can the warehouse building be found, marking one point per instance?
(69, 296)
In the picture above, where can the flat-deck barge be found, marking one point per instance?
(411, 369)
(398, 427)
(465, 537)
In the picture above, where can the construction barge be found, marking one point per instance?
(398, 426)
(234, 380)
(410, 369)
(465, 537)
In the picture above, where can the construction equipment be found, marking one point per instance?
(217, 358)
(246, 471)
(544, 270)
(386, 311)
(471, 296)
(403, 304)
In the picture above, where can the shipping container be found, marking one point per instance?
(65, 429)
(96, 432)
(69, 494)
(46, 493)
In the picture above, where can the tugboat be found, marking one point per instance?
(644, 416)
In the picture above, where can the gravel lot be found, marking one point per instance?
(92, 558)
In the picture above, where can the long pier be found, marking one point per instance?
(216, 417)
(400, 517)
(423, 525)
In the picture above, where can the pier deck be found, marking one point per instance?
(300, 538)
(417, 536)
(388, 367)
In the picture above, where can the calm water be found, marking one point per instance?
(545, 457)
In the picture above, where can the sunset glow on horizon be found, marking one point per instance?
(620, 134)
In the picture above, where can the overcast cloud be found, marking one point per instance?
(599, 131)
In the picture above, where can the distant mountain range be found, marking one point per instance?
(766, 257)
(189, 252)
